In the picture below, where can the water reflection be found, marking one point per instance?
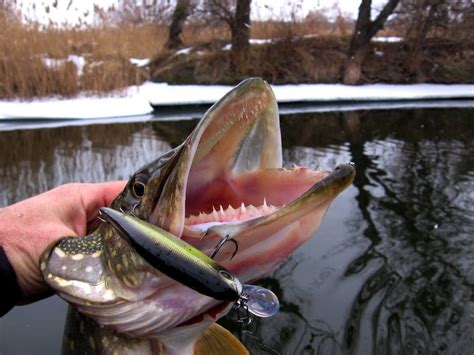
(410, 289)
(44, 158)
(391, 268)
(408, 194)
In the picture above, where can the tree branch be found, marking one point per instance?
(378, 23)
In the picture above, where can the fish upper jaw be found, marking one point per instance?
(240, 133)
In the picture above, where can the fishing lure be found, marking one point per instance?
(188, 265)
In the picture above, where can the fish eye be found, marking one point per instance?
(138, 189)
(138, 186)
(226, 275)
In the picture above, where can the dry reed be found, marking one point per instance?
(34, 62)
(37, 62)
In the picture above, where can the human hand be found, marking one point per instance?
(30, 226)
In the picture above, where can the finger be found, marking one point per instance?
(111, 191)
(100, 195)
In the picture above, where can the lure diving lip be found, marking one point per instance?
(188, 265)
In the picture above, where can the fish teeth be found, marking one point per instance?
(201, 217)
(243, 212)
(265, 209)
(253, 211)
(214, 214)
(231, 212)
(221, 214)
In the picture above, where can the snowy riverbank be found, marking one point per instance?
(140, 100)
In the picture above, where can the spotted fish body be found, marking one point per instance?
(224, 180)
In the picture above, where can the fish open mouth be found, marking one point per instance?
(228, 180)
(225, 181)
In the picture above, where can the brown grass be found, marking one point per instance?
(106, 51)
(288, 60)
(311, 50)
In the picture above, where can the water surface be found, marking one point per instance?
(391, 270)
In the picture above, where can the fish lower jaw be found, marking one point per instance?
(203, 221)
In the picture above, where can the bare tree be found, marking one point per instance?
(241, 32)
(422, 18)
(138, 12)
(181, 12)
(424, 13)
(364, 30)
(236, 14)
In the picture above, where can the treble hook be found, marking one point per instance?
(245, 319)
(221, 244)
(132, 211)
(100, 218)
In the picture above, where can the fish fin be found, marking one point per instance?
(216, 340)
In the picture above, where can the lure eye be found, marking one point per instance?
(138, 187)
(226, 275)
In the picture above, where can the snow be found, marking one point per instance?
(183, 51)
(128, 103)
(260, 40)
(136, 100)
(163, 94)
(54, 63)
(389, 39)
(314, 35)
(256, 41)
(140, 62)
(79, 62)
(195, 113)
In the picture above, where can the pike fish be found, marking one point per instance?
(224, 181)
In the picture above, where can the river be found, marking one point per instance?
(391, 269)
